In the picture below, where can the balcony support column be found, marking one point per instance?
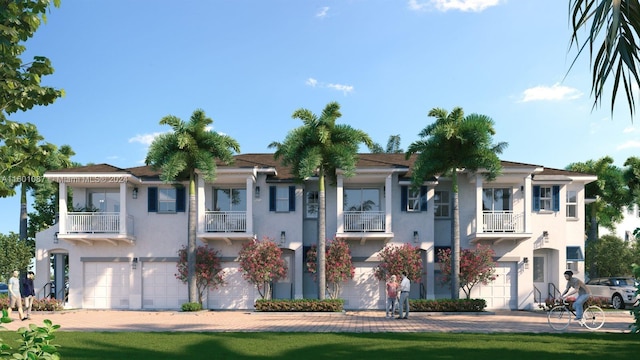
(62, 206)
(249, 214)
(200, 207)
(388, 204)
(479, 210)
(123, 209)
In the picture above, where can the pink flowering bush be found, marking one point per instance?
(261, 264)
(395, 259)
(209, 272)
(476, 267)
(339, 267)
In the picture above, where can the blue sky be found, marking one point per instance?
(250, 63)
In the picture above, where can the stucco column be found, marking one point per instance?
(123, 209)
(299, 271)
(479, 211)
(388, 204)
(527, 204)
(339, 203)
(249, 209)
(62, 208)
(200, 206)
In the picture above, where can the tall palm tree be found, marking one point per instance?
(178, 154)
(451, 144)
(320, 147)
(619, 21)
(393, 146)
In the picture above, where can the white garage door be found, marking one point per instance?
(160, 287)
(364, 291)
(502, 292)
(237, 293)
(106, 285)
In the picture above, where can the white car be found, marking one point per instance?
(619, 289)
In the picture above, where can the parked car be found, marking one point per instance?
(4, 289)
(621, 290)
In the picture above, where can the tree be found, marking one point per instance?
(393, 146)
(394, 259)
(616, 23)
(339, 267)
(476, 267)
(261, 264)
(319, 148)
(451, 144)
(209, 274)
(609, 256)
(20, 87)
(178, 154)
(14, 255)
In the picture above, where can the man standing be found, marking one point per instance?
(582, 289)
(28, 293)
(405, 287)
(14, 295)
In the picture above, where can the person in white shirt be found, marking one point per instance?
(14, 295)
(405, 287)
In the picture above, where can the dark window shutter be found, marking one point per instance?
(536, 198)
(423, 198)
(272, 198)
(152, 199)
(403, 197)
(556, 197)
(181, 199)
(292, 198)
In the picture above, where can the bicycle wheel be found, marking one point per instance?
(593, 317)
(559, 317)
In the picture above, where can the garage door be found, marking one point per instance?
(502, 292)
(106, 285)
(160, 288)
(237, 293)
(364, 291)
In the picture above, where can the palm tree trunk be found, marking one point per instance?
(455, 248)
(322, 213)
(23, 211)
(191, 240)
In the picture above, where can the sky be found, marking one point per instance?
(249, 64)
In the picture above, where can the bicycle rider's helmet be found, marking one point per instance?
(568, 272)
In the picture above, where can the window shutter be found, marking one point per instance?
(423, 198)
(536, 198)
(403, 198)
(152, 199)
(292, 198)
(181, 199)
(556, 198)
(272, 198)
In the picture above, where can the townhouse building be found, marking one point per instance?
(117, 248)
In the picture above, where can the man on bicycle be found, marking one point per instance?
(583, 292)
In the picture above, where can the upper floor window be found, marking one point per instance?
(311, 204)
(361, 199)
(229, 199)
(441, 203)
(282, 198)
(496, 199)
(546, 198)
(572, 203)
(166, 200)
(104, 200)
(413, 200)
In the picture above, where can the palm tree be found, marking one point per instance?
(320, 147)
(452, 144)
(178, 154)
(393, 146)
(619, 20)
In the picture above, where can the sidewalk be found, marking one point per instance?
(350, 321)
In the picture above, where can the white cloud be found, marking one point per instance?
(555, 92)
(344, 88)
(446, 5)
(311, 82)
(322, 12)
(629, 129)
(631, 144)
(145, 139)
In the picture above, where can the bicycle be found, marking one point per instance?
(560, 316)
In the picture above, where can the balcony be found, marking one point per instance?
(498, 226)
(91, 227)
(226, 226)
(364, 225)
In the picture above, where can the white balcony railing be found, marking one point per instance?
(96, 222)
(364, 221)
(225, 221)
(502, 221)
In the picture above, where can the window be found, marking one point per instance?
(574, 253)
(230, 199)
(361, 200)
(311, 204)
(413, 200)
(166, 200)
(572, 203)
(104, 200)
(496, 199)
(282, 198)
(546, 198)
(441, 204)
(538, 269)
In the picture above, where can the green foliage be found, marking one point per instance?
(476, 267)
(602, 302)
(394, 259)
(261, 264)
(448, 305)
(209, 274)
(38, 304)
(36, 343)
(191, 306)
(326, 305)
(608, 256)
(339, 267)
(635, 311)
(14, 254)
(5, 316)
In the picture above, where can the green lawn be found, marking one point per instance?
(353, 346)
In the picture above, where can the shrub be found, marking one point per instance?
(448, 305)
(338, 265)
(36, 343)
(191, 306)
(326, 305)
(38, 304)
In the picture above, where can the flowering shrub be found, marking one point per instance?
(441, 305)
(38, 304)
(209, 272)
(261, 264)
(476, 267)
(395, 259)
(327, 305)
(339, 267)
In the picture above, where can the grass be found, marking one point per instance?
(352, 346)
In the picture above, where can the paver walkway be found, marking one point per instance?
(350, 321)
